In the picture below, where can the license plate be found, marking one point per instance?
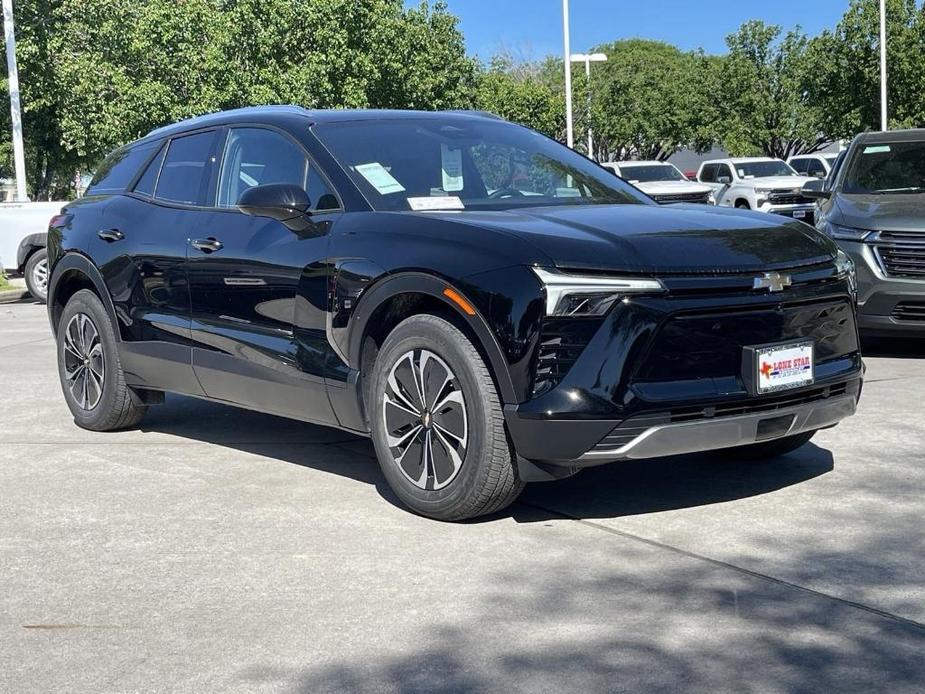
(781, 367)
(799, 214)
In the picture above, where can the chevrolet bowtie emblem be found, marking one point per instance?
(772, 281)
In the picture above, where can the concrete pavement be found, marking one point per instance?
(215, 549)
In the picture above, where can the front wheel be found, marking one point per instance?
(437, 423)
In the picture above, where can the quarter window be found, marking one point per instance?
(145, 185)
(187, 170)
(119, 168)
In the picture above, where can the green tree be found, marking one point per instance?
(766, 105)
(648, 101)
(845, 83)
(516, 93)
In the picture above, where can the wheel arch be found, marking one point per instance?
(399, 296)
(72, 273)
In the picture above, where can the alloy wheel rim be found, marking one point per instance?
(40, 275)
(425, 418)
(84, 367)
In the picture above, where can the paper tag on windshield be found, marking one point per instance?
(876, 149)
(451, 163)
(446, 202)
(379, 178)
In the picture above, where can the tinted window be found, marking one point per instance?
(119, 169)
(255, 157)
(652, 172)
(466, 163)
(145, 185)
(708, 173)
(836, 167)
(886, 167)
(187, 170)
(320, 193)
(763, 169)
(815, 167)
(800, 165)
(724, 170)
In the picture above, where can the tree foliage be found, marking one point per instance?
(766, 108)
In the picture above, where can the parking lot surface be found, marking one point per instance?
(215, 549)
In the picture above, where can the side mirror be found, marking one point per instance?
(283, 202)
(725, 180)
(816, 189)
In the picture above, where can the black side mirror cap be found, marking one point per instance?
(816, 189)
(283, 202)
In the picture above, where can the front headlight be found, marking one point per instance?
(846, 270)
(589, 295)
(764, 191)
(837, 231)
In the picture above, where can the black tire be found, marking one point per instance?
(742, 205)
(770, 449)
(486, 480)
(36, 279)
(114, 408)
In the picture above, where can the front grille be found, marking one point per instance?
(709, 344)
(630, 428)
(902, 254)
(909, 311)
(789, 198)
(698, 198)
(561, 342)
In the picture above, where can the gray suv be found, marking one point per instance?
(873, 205)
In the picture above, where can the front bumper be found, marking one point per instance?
(666, 375)
(887, 306)
(802, 212)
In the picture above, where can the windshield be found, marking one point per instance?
(763, 169)
(459, 163)
(651, 172)
(897, 167)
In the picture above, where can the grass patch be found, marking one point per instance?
(4, 284)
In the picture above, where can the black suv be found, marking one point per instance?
(491, 307)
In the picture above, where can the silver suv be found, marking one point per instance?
(873, 205)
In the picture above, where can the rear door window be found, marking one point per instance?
(186, 174)
(119, 169)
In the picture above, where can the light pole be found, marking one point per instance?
(19, 158)
(569, 131)
(587, 59)
(884, 122)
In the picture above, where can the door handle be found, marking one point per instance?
(208, 245)
(110, 235)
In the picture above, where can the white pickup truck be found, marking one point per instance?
(661, 181)
(758, 183)
(23, 233)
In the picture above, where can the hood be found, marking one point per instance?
(896, 212)
(672, 188)
(651, 238)
(781, 182)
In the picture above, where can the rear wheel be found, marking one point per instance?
(89, 367)
(771, 449)
(36, 272)
(437, 423)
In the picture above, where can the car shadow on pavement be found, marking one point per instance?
(619, 489)
(637, 487)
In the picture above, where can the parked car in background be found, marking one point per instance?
(661, 181)
(758, 183)
(873, 206)
(488, 305)
(23, 227)
(813, 165)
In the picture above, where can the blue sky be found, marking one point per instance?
(533, 28)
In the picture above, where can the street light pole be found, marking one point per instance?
(19, 158)
(884, 122)
(587, 59)
(569, 127)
